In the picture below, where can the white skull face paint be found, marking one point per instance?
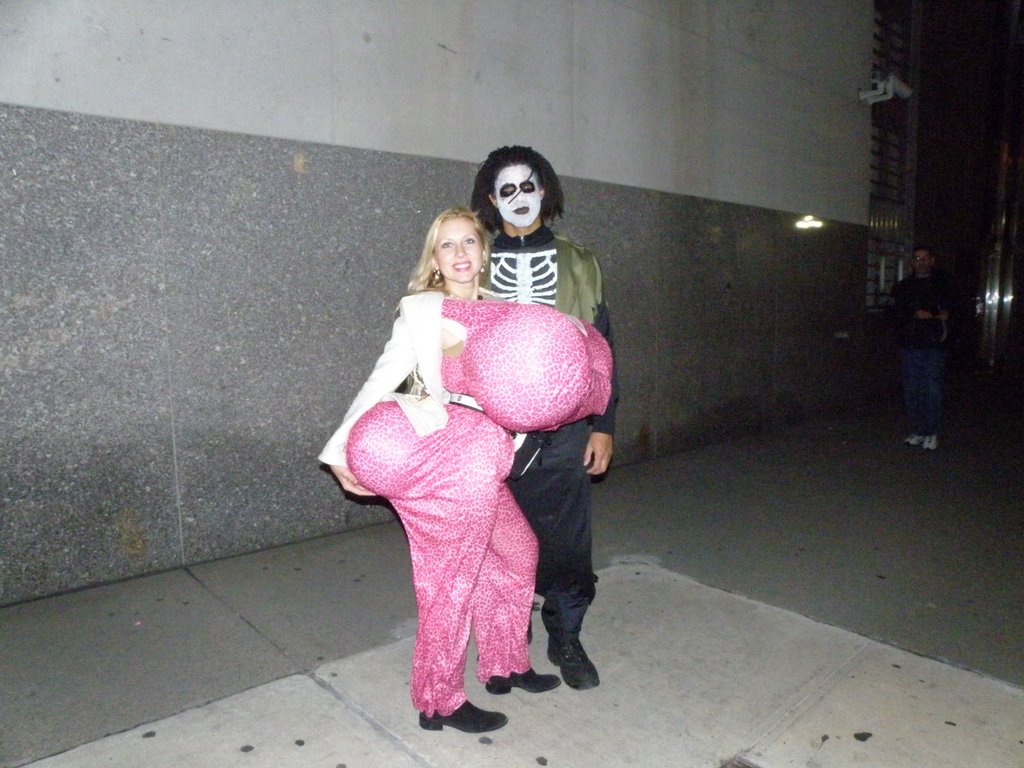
(517, 195)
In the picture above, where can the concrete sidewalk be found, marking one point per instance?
(707, 679)
(821, 596)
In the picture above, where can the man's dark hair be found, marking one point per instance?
(551, 205)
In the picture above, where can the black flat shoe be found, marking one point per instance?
(467, 718)
(529, 681)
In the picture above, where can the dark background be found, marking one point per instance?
(967, 148)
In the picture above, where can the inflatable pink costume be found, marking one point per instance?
(473, 553)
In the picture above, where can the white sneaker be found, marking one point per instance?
(915, 440)
(930, 443)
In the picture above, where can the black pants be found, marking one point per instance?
(554, 494)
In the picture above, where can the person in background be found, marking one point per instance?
(922, 303)
(517, 194)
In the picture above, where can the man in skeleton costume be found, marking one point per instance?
(516, 194)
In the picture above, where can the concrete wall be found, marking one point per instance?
(192, 293)
(741, 101)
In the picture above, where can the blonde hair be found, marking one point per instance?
(424, 276)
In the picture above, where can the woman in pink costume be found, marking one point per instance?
(443, 466)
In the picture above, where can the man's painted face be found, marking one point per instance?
(517, 195)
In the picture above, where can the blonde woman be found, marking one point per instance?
(442, 465)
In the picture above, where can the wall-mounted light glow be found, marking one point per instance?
(809, 222)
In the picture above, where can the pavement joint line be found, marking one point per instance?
(804, 704)
(234, 610)
(393, 738)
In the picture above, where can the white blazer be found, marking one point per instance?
(415, 341)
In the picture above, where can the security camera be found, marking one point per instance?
(874, 95)
(885, 88)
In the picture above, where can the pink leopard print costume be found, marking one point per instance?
(474, 555)
(531, 367)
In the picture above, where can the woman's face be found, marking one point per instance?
(459, 255)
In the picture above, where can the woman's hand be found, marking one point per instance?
(349, 483)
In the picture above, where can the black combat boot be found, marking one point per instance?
(577, 669)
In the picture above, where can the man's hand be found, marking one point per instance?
(349, 483)
(598, 454)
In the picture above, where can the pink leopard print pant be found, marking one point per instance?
(474, 556)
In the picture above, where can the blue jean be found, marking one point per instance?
(923, 374)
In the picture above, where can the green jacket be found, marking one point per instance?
(580, 292)
(579, 280)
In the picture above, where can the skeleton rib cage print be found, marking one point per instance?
(525, 278)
